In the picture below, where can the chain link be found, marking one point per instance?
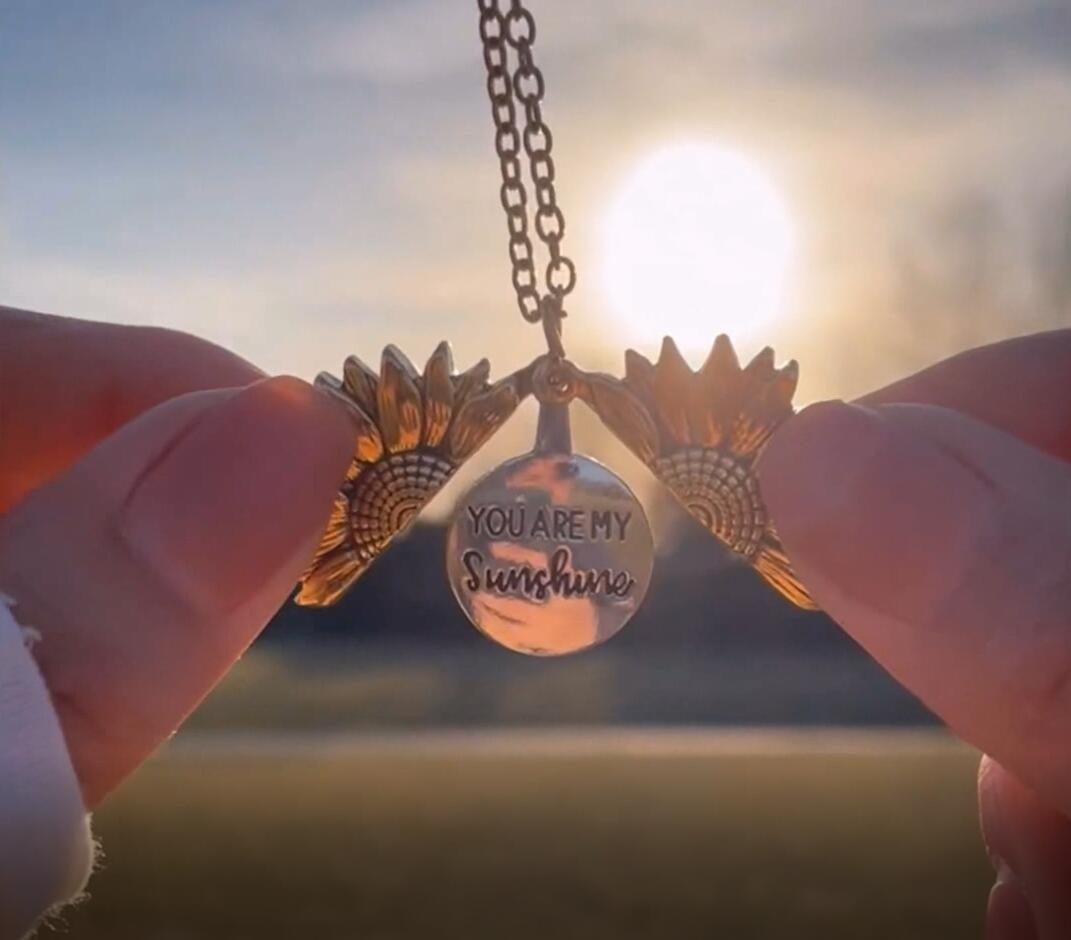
(522, 90)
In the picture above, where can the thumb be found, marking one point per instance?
(944, 547)
(1029, 844)
(150, 566)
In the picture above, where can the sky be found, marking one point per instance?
(298, 181)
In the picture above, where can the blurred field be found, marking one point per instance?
(376, 686)
(521, 835)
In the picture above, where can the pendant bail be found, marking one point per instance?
(554, 387)
(553, 434)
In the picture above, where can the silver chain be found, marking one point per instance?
(502, 32)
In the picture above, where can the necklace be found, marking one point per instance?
(551, 552)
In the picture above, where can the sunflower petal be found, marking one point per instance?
(749, 435)
(639, 374)
(330, 578)
(399, 402)
(672, 384)
(335, 531)
(369, 445)
(470, 381)
(714, 408)
(479, 417)
(438, 395)
(707, 398)
(783, 386)
(622, 412)
(761, 368)
(722, 361)
(326, 382)
(360, 383)
(772, 563)
(765, 401)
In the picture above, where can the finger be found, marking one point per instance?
(944, 547)
(152, 564)
(66, 384)
(1008, 915)
(1029, 844)
(1020, 385)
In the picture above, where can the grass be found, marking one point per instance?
(392, 844)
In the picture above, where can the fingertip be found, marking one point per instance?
(307, 415)
(1008, 912)
(994, 783)
(231, 503)
(1029, 845)
(819, 429)
(168, 547)
(805, 468)
(873, 514)
(179, 357)
(289, 390)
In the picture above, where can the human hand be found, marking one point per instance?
(932, 521)
(161, 498)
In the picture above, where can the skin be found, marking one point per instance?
(161, 497)
(943, 547)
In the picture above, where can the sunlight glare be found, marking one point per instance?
(696, 241)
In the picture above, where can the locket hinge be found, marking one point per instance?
(554, 388)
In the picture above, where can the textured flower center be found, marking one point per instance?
(388, 495)
(718, 491)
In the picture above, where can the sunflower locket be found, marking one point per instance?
(550, 553)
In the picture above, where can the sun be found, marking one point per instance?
(696, 241)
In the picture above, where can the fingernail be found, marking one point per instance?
(855, 498)
(1008, 913)
(232, 500)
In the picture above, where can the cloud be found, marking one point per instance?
(384, 41)
(412, 41)
(290, 178)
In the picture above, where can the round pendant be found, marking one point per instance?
(550, 554)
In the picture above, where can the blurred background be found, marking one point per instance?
(866, 186)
